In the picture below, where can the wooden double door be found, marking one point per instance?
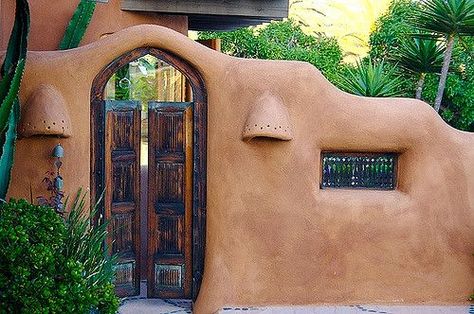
(169, 203)
(174, 205)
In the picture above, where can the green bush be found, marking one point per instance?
(36, 276)
(282, 40)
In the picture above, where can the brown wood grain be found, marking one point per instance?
(170, 195)
(244, 8)
(122, 188)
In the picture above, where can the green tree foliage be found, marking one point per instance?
(282, 41)
(420, 56)
(393, 30)
(448, 19)
(122, 83)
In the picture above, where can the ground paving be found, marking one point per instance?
(142, 305)
(156, 306)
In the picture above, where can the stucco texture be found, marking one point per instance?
(273, 236)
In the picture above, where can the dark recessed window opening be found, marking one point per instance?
(359, 170)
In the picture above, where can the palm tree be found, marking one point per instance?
(449, 19)
(420, 56)
(371, 80)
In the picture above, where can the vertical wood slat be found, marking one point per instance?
(122, 191)
(170, 199)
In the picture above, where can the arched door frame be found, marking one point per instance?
(199, 150)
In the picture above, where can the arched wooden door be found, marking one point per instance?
(176, 199)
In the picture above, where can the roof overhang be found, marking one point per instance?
(215, 14)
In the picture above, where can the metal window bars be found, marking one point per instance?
(359, 170)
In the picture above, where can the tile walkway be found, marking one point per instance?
(354, 309)
(142, 305)
(157, 306)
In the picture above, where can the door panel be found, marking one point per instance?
(170, 199)
(122, 186)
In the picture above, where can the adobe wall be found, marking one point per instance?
(273, 236)
(49, 20)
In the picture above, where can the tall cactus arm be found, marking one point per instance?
(78, 25)
(12, 72)
(17, 45)
(8, 149)
(14, 62)
(10, 85)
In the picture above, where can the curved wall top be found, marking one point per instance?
(275, 237)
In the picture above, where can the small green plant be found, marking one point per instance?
(85, 243)
(371, 80)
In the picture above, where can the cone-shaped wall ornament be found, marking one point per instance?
(45, 113)
(268, 118)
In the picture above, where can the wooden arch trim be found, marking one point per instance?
(200, 144)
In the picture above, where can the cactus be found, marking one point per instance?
(78, 25)
(11, 72)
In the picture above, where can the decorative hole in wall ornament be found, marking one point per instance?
(45, 113)
(268, 118)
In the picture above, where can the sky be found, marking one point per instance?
(349, 21)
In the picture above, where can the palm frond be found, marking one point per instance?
(420, 55)
(372, 80)
(445, 17)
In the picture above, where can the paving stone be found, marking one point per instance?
(354, 309)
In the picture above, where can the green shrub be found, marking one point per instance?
(36, 274)
(84, 243)
(34, 277)
(282, 40)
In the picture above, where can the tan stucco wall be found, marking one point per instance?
(273, 237)
(49, 19)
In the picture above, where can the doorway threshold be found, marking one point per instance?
(142, 305)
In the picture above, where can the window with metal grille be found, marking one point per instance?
(359, 170)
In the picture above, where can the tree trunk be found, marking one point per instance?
(444, 71)
(419, 86)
